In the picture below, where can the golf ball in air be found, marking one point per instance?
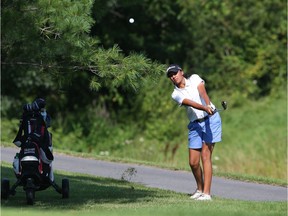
(131, 20)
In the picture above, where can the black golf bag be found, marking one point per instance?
(33, 164)
(35, 141)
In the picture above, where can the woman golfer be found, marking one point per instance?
(204, 126)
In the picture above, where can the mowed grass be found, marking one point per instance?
(102, 196)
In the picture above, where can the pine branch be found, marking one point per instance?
(92, 69)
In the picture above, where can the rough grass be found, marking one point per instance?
(254, 143)
(254, 140)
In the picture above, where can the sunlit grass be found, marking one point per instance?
(102, 196)
(254, 144)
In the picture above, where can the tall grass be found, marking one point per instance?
(254, 140)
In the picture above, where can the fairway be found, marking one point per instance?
(154, 177)
(102, 196)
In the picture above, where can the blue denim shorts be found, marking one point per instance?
(208, 131)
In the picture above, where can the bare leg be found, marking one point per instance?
(194, 161)
(206, 156)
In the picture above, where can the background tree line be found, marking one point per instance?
(104, 77)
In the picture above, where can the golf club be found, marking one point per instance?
(224, 106)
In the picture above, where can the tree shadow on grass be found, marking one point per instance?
(84, 191)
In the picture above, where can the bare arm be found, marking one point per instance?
(204, 95)
(202, 91)
(196, 105)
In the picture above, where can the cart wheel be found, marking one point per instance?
(5, 188)
(30, 195)
(65, 188)
(30, 192)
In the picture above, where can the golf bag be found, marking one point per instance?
(33, 164)
(34, 140)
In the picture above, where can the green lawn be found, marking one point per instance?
(101, 196)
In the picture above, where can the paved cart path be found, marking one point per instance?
(179, 181)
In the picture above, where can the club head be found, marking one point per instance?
(224, 105)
